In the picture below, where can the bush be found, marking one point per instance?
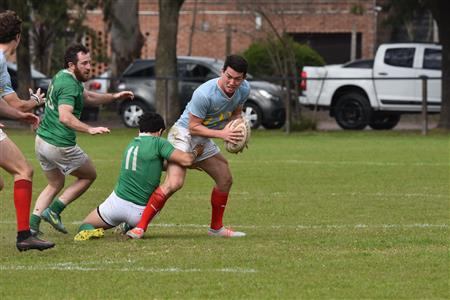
(261, 64)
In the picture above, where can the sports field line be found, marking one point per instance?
(299, 226)
(71, 266)
(323, 162)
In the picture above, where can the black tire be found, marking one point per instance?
(352, 111)
(253, 114)
(131, 112)
(384, 120)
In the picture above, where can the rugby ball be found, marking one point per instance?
(244, 127)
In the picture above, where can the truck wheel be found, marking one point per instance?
(383, 120)
(353, 111)
(253, 114)
(132, 111)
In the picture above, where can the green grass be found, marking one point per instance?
(346, 215)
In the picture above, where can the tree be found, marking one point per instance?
(166, 60)
(126, 38)
(440, 10)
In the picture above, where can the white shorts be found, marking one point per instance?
(2, 135)
(115, 210)
(182, 140)
(66, 159)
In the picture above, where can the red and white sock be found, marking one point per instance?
(218, 203)
(22, 202)
(154, 205)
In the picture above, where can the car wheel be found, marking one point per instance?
(131, 113)
(253, 114)
(384, 121)
(353, 111)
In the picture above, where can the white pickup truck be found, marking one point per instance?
(362, 92)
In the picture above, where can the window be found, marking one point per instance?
(400, 57)
(432, 59)
(141, 70)
(195, 72)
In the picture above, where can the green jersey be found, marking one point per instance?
(142, 164)
(64, 89)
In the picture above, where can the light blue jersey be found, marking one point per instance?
(212, 105)
(5, 79)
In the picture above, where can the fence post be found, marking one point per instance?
(424, 104)
(288, 106)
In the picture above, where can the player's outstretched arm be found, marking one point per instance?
(94, 98)
(36, 99)
(67, 118)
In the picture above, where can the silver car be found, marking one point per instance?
(264, 106)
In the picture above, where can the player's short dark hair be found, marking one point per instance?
(10, 26)
(151, 122)
(236, 62)
(71, 54)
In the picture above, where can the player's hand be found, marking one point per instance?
(231, 135)
(98, 130)
(30, 118)
(198, 150)
(123, 95)
(38, 96)
(2, 126)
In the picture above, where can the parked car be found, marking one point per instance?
(99, 83)
(264, 106)
(376, 100)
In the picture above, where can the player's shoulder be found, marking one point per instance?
(245, 85)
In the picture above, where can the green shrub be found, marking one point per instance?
(261, 64)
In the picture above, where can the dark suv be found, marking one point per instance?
(264, 106)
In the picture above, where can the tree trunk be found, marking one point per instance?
(167, 102)
(126, 37)
(440, 9)
(23, 53)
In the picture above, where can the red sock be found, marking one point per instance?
(155, 204)
(218, 202)
(22, 202)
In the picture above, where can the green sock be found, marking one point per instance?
(57, 206)
(35, 221)
(86, 227)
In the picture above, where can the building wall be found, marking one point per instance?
(236, 21)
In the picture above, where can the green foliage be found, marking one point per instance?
(260, 56)
(328, 215)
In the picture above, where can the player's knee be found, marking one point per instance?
(173, 185)
(26, 172)
(225, 183)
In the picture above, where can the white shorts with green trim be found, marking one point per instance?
(115, 210)
(66, 159)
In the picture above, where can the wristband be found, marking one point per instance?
(35, 98)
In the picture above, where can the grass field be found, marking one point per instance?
(327, 215)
